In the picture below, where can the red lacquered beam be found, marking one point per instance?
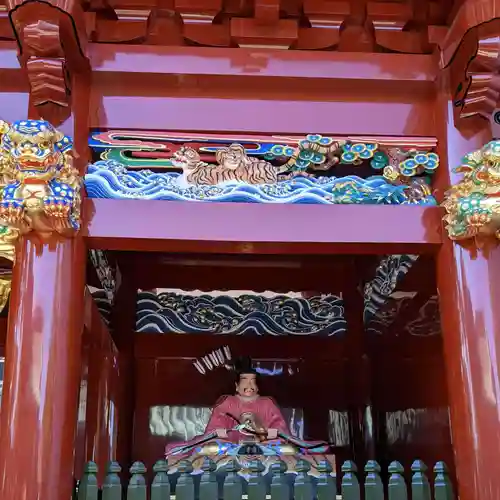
(206, 61)
(167, 226)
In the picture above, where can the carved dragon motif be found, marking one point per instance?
(473, 204)
(40, 186)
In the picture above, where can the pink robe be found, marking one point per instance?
(265, 409)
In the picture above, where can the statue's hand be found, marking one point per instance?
(221, 433)
(272, 433)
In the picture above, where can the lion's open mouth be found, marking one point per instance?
(33, 163)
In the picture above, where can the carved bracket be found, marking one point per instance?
(344, 25)
(51, 37)
(471, 51)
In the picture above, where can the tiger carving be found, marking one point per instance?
(233, 164)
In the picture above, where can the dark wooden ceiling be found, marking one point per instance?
(326, 274)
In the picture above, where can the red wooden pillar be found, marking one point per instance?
(42, 373)
(469, 294)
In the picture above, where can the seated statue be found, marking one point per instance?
(246, 426)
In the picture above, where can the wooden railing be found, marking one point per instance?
(301, 487)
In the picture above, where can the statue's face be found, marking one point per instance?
(34, 148)
(247, 386)
(232, 157)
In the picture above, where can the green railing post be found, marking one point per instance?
(208, 483)
(420, 488)
(185, 484)
(160, 488)
(233, 487)
(256, 484)
(397, 485)
(280, 489)
(88, 488)
(443, 489)
(327, 484)
(137, 489)
(302, 487)
(374, 489)
(112, 486)
(350, 483)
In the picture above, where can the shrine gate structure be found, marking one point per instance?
(249, 145)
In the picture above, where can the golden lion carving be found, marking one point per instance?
(40, 188)
(473, 204)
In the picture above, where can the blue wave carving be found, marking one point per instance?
(104, 304)
(109, 179)
(245, 315)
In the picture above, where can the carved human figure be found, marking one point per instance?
(245, 426)
(233, 157)
(260, 415)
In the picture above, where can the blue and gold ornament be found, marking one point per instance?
(357, 152)
(419, 163)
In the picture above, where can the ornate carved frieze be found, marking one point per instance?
(388, 275)
(473, 204)
(40, 188)
(314, 169)
(156, 150)
(51, 36)
(106, 272)
(243, 315)
(270, 314)
(253, 314)
(394, 317)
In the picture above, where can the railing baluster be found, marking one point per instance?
(112, 486)
(137, 485)
(185, 484)
(233, 487)
(88, 488)
(374, 489)
(160, 488)
(256, 483)
(208, 483)
(327, 484)
(303, 487)
(280, 488)
(420, 488)
(397, 484)
(350, 483)
(443, 489)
